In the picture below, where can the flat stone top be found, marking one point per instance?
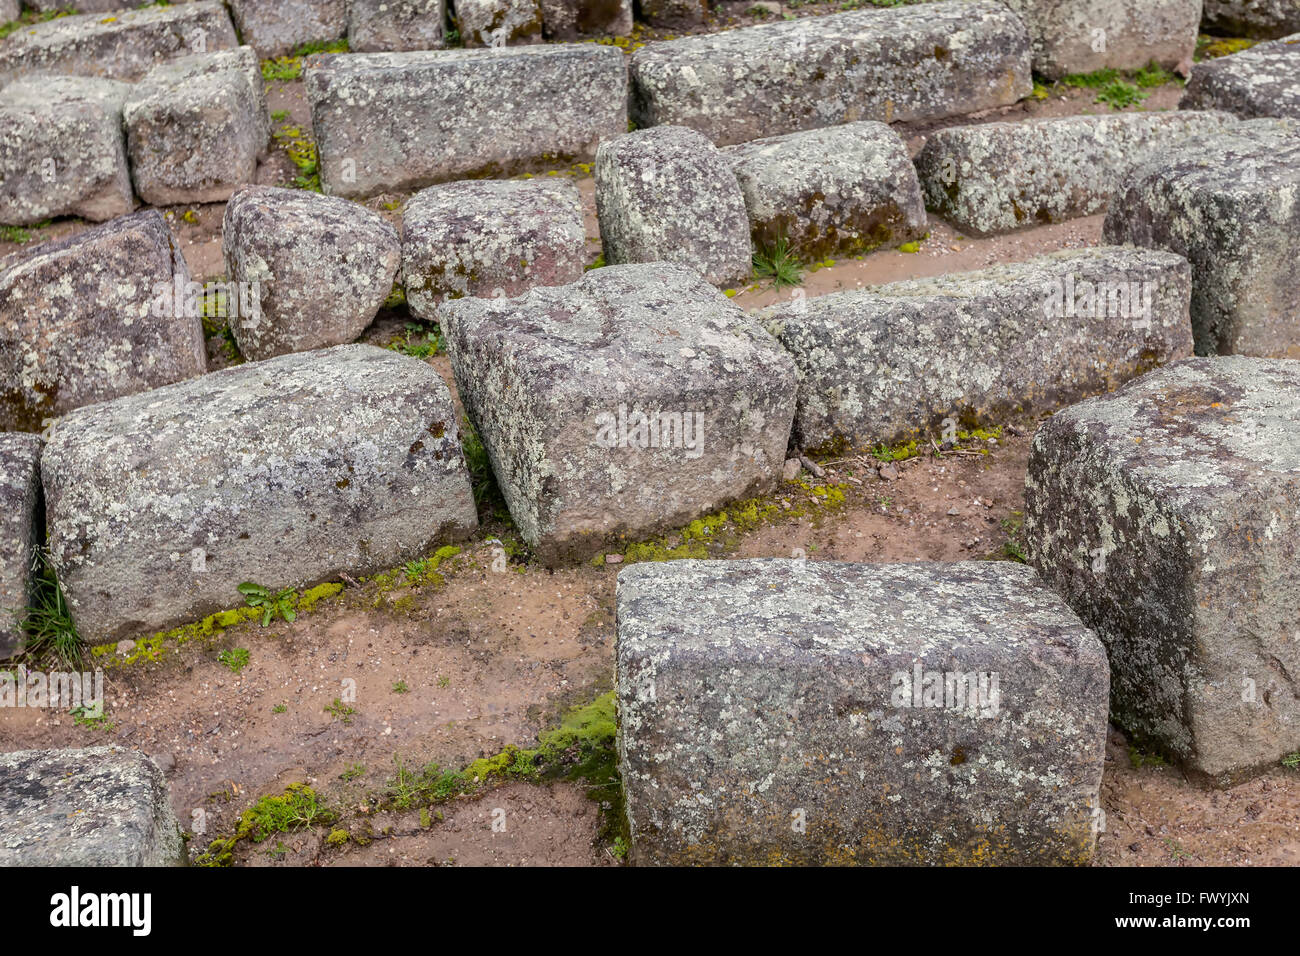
(96, 806)
(200, 66)
(251, 414)
(46, 255)
(779, 607)
(1199, 430)
(1096, 126)
(304, 215)
(45, 92)
(821, 145)
(62, 30)
(1270, 147)
(620, 325)
(490, 200)
(1263, 66)
(872, 24)
(344, 64)
(1117, 263)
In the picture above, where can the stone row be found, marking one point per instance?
(192, 130)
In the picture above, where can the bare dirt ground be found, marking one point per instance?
(458, 669)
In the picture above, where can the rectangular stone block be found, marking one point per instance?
(401, 121)
(62, 152)
(814, 713)
(490, 238)
(91, 317)
(378, 26)
(196, 128)
(283, 472)
(898, 361)
(1262, 19)
(998, 177)
(101, 806)
(1081, 36)
(625, 404)
(279, 27)
(1228, 204)
(1261, 81)
(898, 64)
(21, 533)
(833, 191)
(1168, 516)
(499, 23)
(122, 47)
(571, 19)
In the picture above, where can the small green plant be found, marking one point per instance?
(1292, 761)
(443, 681)
(399, 687)
(21, 235)
(340, 711)
(1153, 75)
(354, 771)
(279, 116)
(431, 345)
(279, 709)
(1139, 759)
(48, 622)
(1120, 94)
(85, 717)
(1012, 547)
(236, 659)
(281, 603)
(778, 263)
(618, 849)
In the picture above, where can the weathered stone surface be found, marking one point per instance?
(9, 10)
(1261, 81)
(376, 26)
(316, 268)
(196, 127)
(101, 806)
(1080, 36)
(400, 121)
(673, 13)
(1166, 515)
(997, 177)
(668, 195)
(905, 63)
(123, 47)
(557, 380)
(1231, 205)
(570, 19)
(278, 27)
(62, 152)
(283, 472)
(490, 238)
(894, 362)
(1263, 19)
(499, 23)
(81, 320)
(20, 533)
(830, 191)
(787, 694)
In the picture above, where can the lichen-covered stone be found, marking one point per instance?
(997, 177)
(905, 63)
(100, 806)
(571, 19)
(1231, 205)
(792, 712)
(668, 195)
(1168, 516)
(377, 26)
(278, 27)
(196, 127)
(499, 23)
(673, 13)
(893, 362)
(490, 238)
(401, 121)
(90, 317)
(283, 472)
(20, 533)
(122, 47)
(316, 269)
(1080, 36)
(62, 152)
(9, 10)
(627, 403)
(832, 191)
(1262, 19)
(1261, 81)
